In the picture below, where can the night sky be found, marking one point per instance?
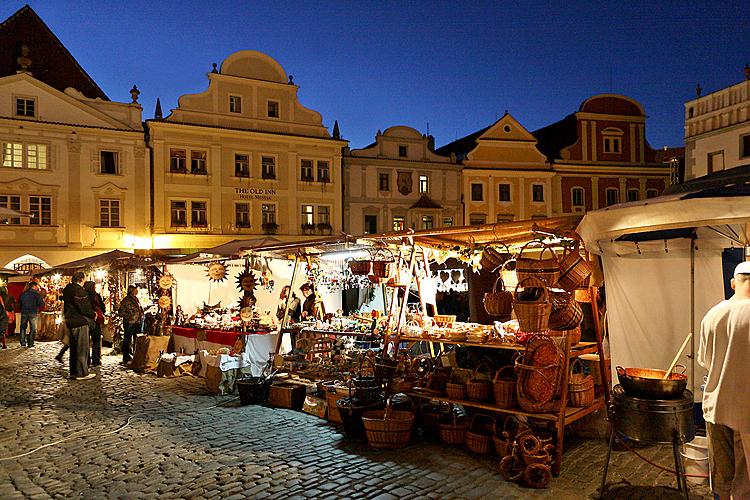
(455, 65)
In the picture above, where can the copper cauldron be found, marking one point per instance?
(649, 384)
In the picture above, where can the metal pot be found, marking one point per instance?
(649, 384)
(651, 421)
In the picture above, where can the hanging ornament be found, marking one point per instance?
(217, 272)
(246, 281)
(164, 302)
(166, 281)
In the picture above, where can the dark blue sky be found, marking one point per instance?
(456, 65)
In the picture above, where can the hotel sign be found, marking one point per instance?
(255, 193)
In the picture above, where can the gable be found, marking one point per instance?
(508, 144)
(49, 60)
(507, 128)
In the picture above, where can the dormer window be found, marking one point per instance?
(25, 106)
(273, 109)
(235, 104)
(402, 151)
(612, 140)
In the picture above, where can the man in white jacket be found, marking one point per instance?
(725, 352)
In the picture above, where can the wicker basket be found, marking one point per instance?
(580, 387)
(479, 386)
(574, 269)
(388, 428)
(504, 385)
(566, 312)
(366, 388)
(574, 334)
(547, 270)
(498, 302)
(533, 316)
(360, 267)
(383, 263)
(454, 432)
(444, 319)
(492, 258)
(539, 373)
(479, 434)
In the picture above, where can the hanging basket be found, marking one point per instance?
(492, 258)
(580, 387)
(574, 269)
(383, 263)
(360, 267)
(532, 314)
(498, 302)
(547, 270)
(504, 385)
(566, 312)
(479, 386)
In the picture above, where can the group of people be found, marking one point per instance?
(30, 303)
(311, 309)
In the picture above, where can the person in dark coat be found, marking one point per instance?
(4, 321)
(97, 304)
(132, 319)
(79, 317)
(31, 303)
(294, 306)
(312, 307)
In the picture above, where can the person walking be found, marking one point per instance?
(79, 316)
(724, 350)
(97, 304)
(132, 317)
(31, 303)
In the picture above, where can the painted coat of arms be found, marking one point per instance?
(404, 183)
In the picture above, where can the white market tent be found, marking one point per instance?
(662, 263)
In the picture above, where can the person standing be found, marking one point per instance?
(97, 304)
(312, 307)
(132, 317)
(4, 321)
(294, 306)
(724, 351)
(79, 316)
(31, 303)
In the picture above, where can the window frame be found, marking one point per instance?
(194, 211)
(500, 192)
(710, 162)
(628, 192)
(198, 164)
(263, 173)
(13, 202)
(26, 100)
(534, 199)
(265, 214)
(277, 108)
(573, 191)
(477, 219)
(366, 221)
(423, 184)
(745, 146)
(235, 103)
(111, 202)
(25, 148)
(307, 214)
(403, 151)
(381, 177)
(238, 172)
(616, 196)
(303, 167)
(476, 189)
(174, 159)
(427, 222)
(650, 191)
(242, 224)
(447, 221)
(612, 142)
(398, 223)
(326, 170)
(38, 218)
(323, 214)
(173, 222)
(116, 160)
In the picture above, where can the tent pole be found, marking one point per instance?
(692, 312)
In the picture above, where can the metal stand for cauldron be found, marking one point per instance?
(682, 431)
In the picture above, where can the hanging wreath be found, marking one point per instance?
(216, 272)
(246, 281)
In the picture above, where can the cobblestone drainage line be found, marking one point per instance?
(126, 424)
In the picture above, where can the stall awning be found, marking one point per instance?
(233, 248)
(102, 259)
(9, 213)
(310, 248)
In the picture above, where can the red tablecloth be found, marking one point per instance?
(215, 336)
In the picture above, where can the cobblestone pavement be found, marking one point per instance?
(182, 442)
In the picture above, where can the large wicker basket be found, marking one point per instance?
(539, 373)
(479, 434)
(574, 269)
(492, 258)
(388, 428)
(504, 385)
(547, 270)
(479, 386)
(454, 432)
(383, 263)
(566, 313)
(498, 302)
(533, 315)
(580, 387)
(360, 267)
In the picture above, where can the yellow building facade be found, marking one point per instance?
(243, 158)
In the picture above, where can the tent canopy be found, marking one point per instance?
(102, 259)
(9, 213)
(230, 249)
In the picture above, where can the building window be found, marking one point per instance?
(424, 184)
(503, 192)
(477, 193)
(178, 213)
(427, 222)
(308, 212)
(108, 162)
(633, 194)
(324, 214)
(25, 155)
(268, 167)
(577, 196)
(477, 219)
(652, 193)
(324, 172)
(41, 209)
(447, 221)
(402, 151)
(715, 161)
(12, 202)
(242, 214)
(25, 107)
(399, 224)
(371, 224)
(177, 161)
(268, 213)
(198, 162)
(198, 214)
(537, 193)
(273, 109)
(109, 213)
(241, 165)
(612, 144)
(504, 218)
(612, 195)
(384, 182)
(235, 104)
(745, 146)
(306, 170)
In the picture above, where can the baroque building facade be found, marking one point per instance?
(717, 130)
(71, 158)
(399, 182)
(243, 158)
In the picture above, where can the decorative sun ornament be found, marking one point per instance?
(217, 272)
(166, 281)
(164, 302)
(246, 281)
